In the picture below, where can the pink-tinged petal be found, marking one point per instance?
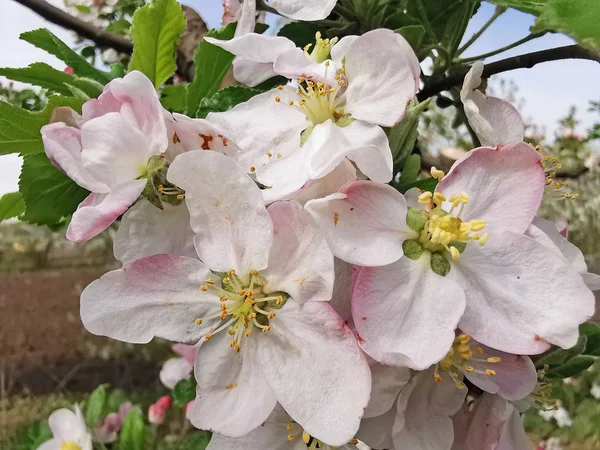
(247, 19)
(154, 296)
(505, 185)
(255, 47)
(424, 408)
(270, 136)
(376, 432)
(387, 382)
(233, 397)
(113, 151)
(294, 64)
(340, 50)
(306, 10)
(232, 226)
(515, 376)
(187, 134)
(66, 115)
(146, 230)
(173, 371)
(300, 262)
(315, 367)
(488, 420)
(383, 77)
(510, 307)
(405, 314)
(188, 352)
(251, 73)
(513, 435)
(365, 144)
(365, 223)
(343, 174)
(135, 99)
(494, 120)
(98, 211)
(231, 11)
(63, 147)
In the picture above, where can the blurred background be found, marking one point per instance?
(48, 360)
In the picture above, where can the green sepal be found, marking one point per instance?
(439, 264)
(416, 219)
(412, 249)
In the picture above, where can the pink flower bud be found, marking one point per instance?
(188, 407)
(69, 70)
(156, 414)
(164, 402)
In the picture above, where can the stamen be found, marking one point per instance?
(436, 173)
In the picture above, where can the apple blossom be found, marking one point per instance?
(69, 431)
(108, 431)
(463, 244)
(256, 305)
(301, 132)
(176, 369)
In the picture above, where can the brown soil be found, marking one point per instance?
(43, 346)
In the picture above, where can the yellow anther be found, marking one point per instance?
(437, 174)
(437, 378)
(289, 427)
(252, 316)
(223, 298)
(160, 188)
(483, 239)
(454, 375)
(231, 272)
(277, 99)
(271, 315)
(477, 225)
(341, 70)
(253, 169)
(226, 280)
(479, 351)
(454, 253)
(237, 348)
(269, 154)
(279, 300)
(439, 198)
(223, 307)
(198, 321)
(180, 197)
(278, 155)
(207, 337)
(574, 196)
(290, 437)
(254, 272)
(494, 359)
(301, 80)
(353, 442)
(425, 198)
(464, 338)
(305, 437)
(280, 88)
(469, 368)
(266, 329)
(223, 315)
(327, 63)
(248, 333)
(460, 385)
(204, 288)
(490, 372)
(232, 343)
(342, 83)
(210, 281)
(291, 102)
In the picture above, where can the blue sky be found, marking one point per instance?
(548, 89)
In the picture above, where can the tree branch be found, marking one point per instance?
(101, 37)
(525, 61)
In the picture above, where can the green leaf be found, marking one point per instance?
(117, 71)
(11, 205)
(212, 64)
(573, 367)
(411, 169)
(184, 392)
(119, 26)
(577, 18)
(427, 184)
(43, 75)
(173, 97)
(413, 34)
(592, 331)
(94, 411)
(132, 432)
(49, 195)
(155, 29)
(47, 41)
(225, 99)
(404, 135)
(528, 6)
(20, 129)
(561, 356)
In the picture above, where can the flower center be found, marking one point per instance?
(460, 360)
(245, 307)
(322, 48)
(69, 445)
(311, 442)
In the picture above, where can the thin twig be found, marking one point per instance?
(525, 61)
(497, 13)
(101, 37)
(527, 38)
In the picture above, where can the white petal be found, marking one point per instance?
(494, 120)
(247, 19)
(505, 185)
(154, 296)
(406, 314)
(365, 223)
(294, 64)
(251, 73)
(341, 48)
(262, 126)
(63, 147)
(387, 383)
(233, 397)
(510, 307)
(52, 444)
(267, 437)
(65, 425)
(232, 226)
(343, 174)
(255, 47)
(304, 9)
(513, 434)
(383, 76)
(146, 230)
(98, 211)
(285, 178)
(113, 151)
(376, 432)
(173, 371)
(300, 262)
(313, 363)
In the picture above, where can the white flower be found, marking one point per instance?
(559, 414)
(69, 431)
(256, 302)
(467, 262)
(494, 120)
(299, 133)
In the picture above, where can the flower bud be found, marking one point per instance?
(156, 414)
(164, 402)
